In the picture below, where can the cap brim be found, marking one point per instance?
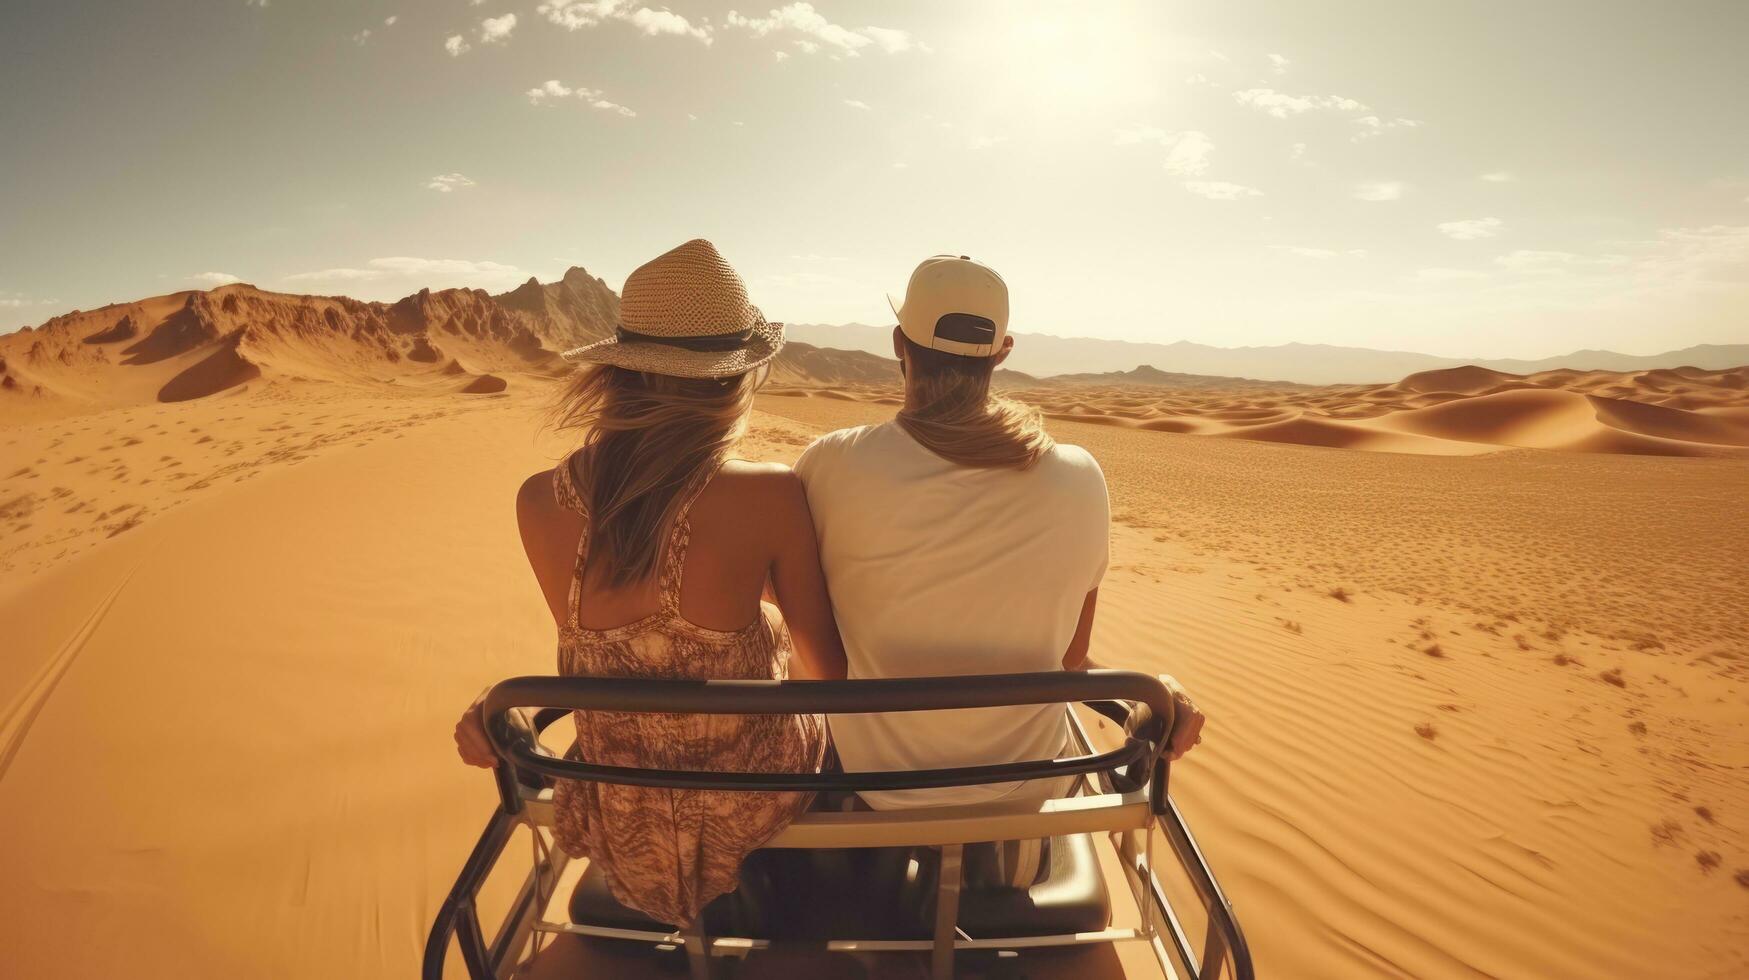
(761, 347)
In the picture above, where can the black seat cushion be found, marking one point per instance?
(876, 893)
(744, 912)
(1069, 897)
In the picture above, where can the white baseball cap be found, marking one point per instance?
(956, 305)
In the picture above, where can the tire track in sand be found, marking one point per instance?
(15, 724)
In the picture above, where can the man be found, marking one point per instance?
(959, 538)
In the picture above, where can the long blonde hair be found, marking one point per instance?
(647, 438)
(950, 411)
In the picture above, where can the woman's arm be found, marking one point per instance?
(800, 587)
(549, 539)
(1076, 656)
(536, 512)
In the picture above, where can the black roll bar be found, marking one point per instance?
(1140, 752)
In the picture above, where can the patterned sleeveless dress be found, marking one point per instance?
(666, 852)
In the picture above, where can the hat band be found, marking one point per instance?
(711, 343)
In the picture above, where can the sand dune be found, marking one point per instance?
(222, 369)
(1305, 430)
(1453, 411)
(485, 384)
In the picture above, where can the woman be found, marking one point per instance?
(653, 549)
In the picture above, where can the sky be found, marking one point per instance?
(1469, 179)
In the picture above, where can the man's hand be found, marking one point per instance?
(470, 737)
(1187, 721)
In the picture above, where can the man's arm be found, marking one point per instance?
(1188, 720)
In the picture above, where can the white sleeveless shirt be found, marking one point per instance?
(939, 569)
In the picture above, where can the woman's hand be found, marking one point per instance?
(471, 742)
(1187, 720)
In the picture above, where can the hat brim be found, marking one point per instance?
(763, 345)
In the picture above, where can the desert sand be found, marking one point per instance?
(1449, 412)
(1479, 698)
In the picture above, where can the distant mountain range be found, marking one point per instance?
(1044, 355)
(199, 343)
(804, 364)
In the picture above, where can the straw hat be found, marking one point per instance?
(685, 313)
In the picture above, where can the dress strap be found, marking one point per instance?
(565, 492)
(565, 486)
(679, 536)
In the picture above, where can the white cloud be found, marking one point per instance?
(1379, 190)
(1279, 64)
(816, 32)
(1498, 177)
(857, 104)
(985, 142)
(214, 278)
(1371, 126)
(1200, 80)
(1220, 190)
(496, 29)
(456, 45)
(654, 22)
(18, 301)
(1471, 229)
(575, 16)
(1538, 262)
(596, 102)
(361, 37)
(445, 183)
(389, 21)
(1187, 153)
(1672, 270)
(891, 41)
(254, 3)
(1297, 153)
(1710, 254)
(1321, 253)
(780, 55)
(552, 88)
(437, 273)
(1281, 105)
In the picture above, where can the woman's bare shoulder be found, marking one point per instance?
(755, 471)
(770, 488)
(537, 506)
(536, 492)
